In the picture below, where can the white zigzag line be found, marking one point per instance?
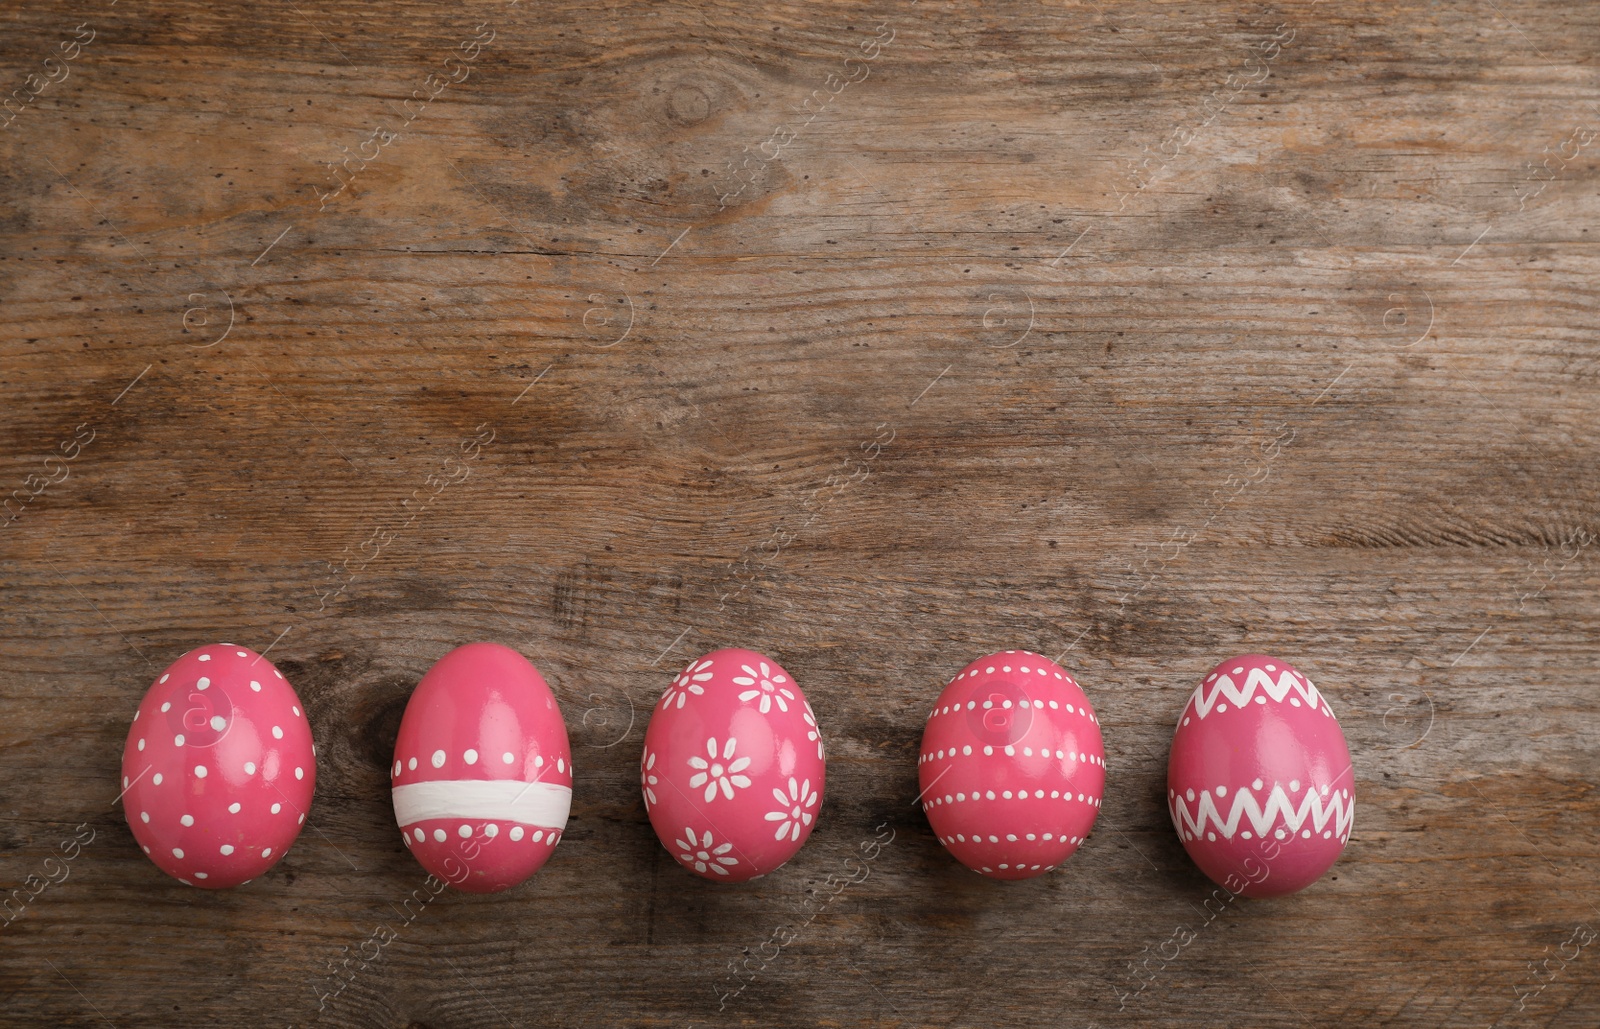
(1279, 806)
(1258, 677)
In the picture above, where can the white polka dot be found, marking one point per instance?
(241, 653)
(218, 723)
(491, 830)
(166, 707)
(177, 852)
(277, 734)
(276, 808)
(249, 768)
(200, 771)
(397, 767)
(438, 836)
(438, 759)
(255, 685)
(233, 808)
(203, 683)
(516, 832)
(205, 657)
(412, 764)
(201, 875)
(299, 773)
(147, 850)
(227, 848)
(418, 833)
(538, 834)
(471, 756)
(464, 831)
(157, 779)
(187, 820)
(144, 816)
(1294, 785)
(507, 757)
(293, 707)
(538, 760)
(141, 744)
(966, 751)
(164, 678)
(266, 851)
(302, 819)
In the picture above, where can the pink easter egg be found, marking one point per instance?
(733, 766)
(1259, 782)
(219, 767)
(1012, 766)
(482, 770)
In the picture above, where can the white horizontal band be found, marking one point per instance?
(502, 800)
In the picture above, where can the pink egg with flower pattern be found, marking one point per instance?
(219, 767)
(482, 771)
(733, 765)
(1012, 766)
(1259, 782)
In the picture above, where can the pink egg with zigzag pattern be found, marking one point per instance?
(733, 766)
(1259, 782)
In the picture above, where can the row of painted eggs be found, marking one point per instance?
(219, 767)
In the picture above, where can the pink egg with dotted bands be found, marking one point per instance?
(219, 767)
(1259, 782)
(733, 766)
(482, 769)
(1012, 766)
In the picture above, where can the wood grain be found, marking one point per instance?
(871, 336)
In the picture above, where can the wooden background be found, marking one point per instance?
(872, 336)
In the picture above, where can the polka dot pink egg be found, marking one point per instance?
(219, 767)
(482, 769)
(733, 766)
(1012, 766)
(1259, 781)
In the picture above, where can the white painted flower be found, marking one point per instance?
(647, 778)
(713, 771)
(813, 732)
(765, 685)
(687, 682)
(704, 853)
(792, 814)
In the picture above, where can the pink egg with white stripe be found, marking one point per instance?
(1012, 766)
(482, 769)
(219, 767)
(1259, 781)
(733, 766)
